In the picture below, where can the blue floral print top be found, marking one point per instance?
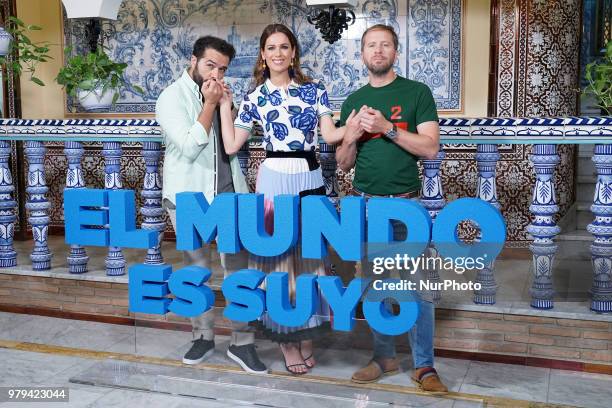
(289, 119)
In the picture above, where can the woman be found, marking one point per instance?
(288, 105)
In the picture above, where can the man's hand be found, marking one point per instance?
(212, 91)
(373, 121)
(353, 127)
(227, 97)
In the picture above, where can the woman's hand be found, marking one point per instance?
(354, 130)
(227, 97)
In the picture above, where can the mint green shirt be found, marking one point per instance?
(190, 161)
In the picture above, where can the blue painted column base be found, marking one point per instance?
(151, 210)
(115, 261)
(327, 156)
(487, 157)
(543, 228)
(8, 255)
(38, 205)
(432, 198)
(486, 278)
(77, 258)
(601, 228)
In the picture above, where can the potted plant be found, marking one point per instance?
(94, 79)
(599, 77)
(14, 41)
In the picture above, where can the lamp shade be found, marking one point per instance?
(335, 3)
(92, 8)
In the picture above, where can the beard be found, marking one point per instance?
(198, 79)
(379, 70)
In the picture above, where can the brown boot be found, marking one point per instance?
(427, 379)
(375, 370)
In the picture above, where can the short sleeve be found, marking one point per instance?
(323, 106)
(247, 113)
(426, 110)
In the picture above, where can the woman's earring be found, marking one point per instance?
(291, 71)
(263, 64)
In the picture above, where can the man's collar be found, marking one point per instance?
(189, 82)
(378, 85)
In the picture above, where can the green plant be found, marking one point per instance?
(29, 54)
(91, 71)
(599, 77)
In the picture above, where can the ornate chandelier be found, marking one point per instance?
(328, 19)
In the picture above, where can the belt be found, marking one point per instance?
(409, 194)
(309, 156)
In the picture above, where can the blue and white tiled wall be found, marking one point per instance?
(155, 39)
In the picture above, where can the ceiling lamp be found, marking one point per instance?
(94, 10)
(330, 18)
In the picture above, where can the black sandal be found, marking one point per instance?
(295, 365)
(307, 358)
(306, 364)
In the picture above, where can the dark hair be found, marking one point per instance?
(260, 73)
(217, 44)
(382, 27)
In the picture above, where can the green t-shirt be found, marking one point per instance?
(382, 167)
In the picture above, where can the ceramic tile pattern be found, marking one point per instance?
(155, 39)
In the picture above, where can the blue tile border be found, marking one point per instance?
(570, 130)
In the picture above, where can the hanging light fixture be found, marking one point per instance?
(331, 17)
(94, 10)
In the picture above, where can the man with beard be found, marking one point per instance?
(396, 124)
(195, 160)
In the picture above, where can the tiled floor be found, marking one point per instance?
(214, 388)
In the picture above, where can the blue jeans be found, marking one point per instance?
(420, 336)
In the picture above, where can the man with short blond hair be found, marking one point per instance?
(390, 123)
